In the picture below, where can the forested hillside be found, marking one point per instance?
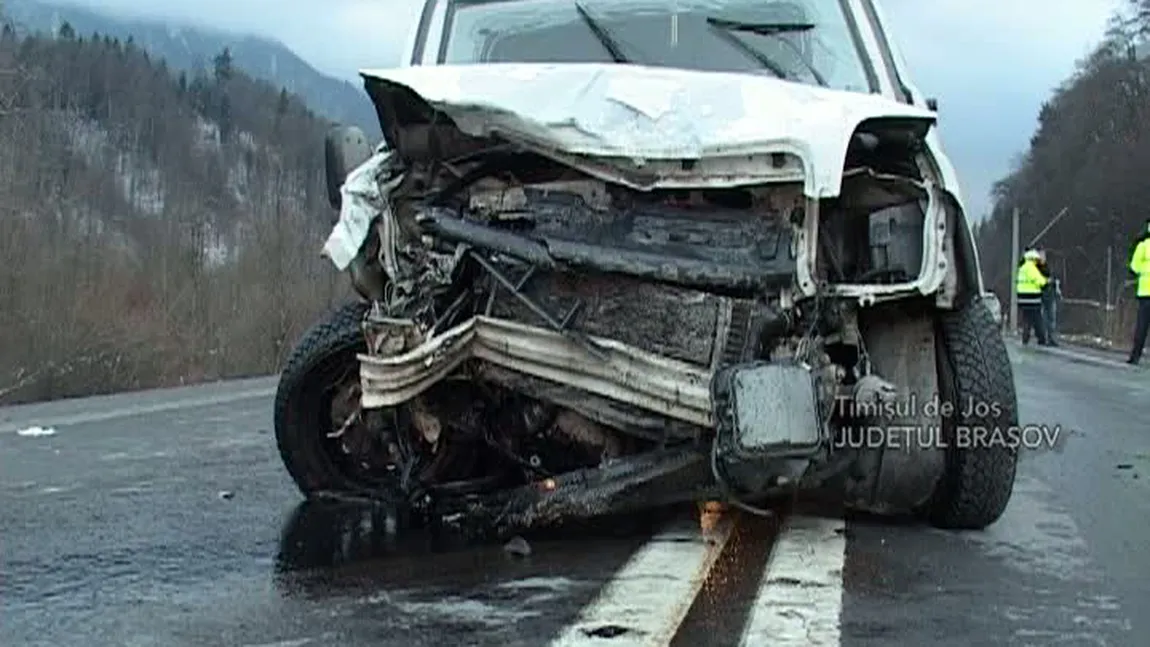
(187, 48)
(155, 228)
(1090, 156)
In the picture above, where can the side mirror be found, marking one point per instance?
(932, 104)
(345, 148)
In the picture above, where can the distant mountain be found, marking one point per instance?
(160, 230)
(191, 48)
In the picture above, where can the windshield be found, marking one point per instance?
(808, 41)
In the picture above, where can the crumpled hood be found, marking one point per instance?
(652, 113)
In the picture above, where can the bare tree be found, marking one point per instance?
(1089, 154)
(156, 230)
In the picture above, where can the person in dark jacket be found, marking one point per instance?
(1051, 298)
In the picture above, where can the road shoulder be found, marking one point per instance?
(1076, 354)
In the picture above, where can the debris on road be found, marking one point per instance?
(36, 431)
(226, 494)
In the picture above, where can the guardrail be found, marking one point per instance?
(1093, 323)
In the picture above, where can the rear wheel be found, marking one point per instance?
(327, 443)
(974, 368)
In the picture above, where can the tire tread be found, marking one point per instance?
(979, 481)
(297, 438)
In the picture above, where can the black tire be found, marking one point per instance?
(974, 367)
(303, 404)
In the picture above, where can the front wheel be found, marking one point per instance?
(326, 442)
(974, 368)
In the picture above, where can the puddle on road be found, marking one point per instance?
(328, 546)
(365, 561)
(231, 569)
(328, 536)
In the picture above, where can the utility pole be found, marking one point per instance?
(1109, 250)
(1013, 271)
(1109, 276)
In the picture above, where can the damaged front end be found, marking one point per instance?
(575, 312)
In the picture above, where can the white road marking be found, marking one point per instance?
(299, 642)
(801, 595)
(651, 594)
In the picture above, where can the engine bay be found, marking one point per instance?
(540, 316)
(546, 323)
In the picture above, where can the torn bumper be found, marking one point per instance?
(760, 411)
(615, 371)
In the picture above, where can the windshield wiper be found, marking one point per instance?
(726, 27)
(762, 58)
(762, 28)
(609, 42)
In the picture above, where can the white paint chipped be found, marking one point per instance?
(652, 593)
(800, 598)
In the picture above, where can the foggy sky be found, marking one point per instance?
(990, 63)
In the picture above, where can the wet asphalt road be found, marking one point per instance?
(165, 518)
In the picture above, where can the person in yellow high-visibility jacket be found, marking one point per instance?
(1028, 286)
(1140, 266)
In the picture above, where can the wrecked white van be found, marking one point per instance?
(616, 254)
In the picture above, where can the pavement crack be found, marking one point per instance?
(606, 631)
